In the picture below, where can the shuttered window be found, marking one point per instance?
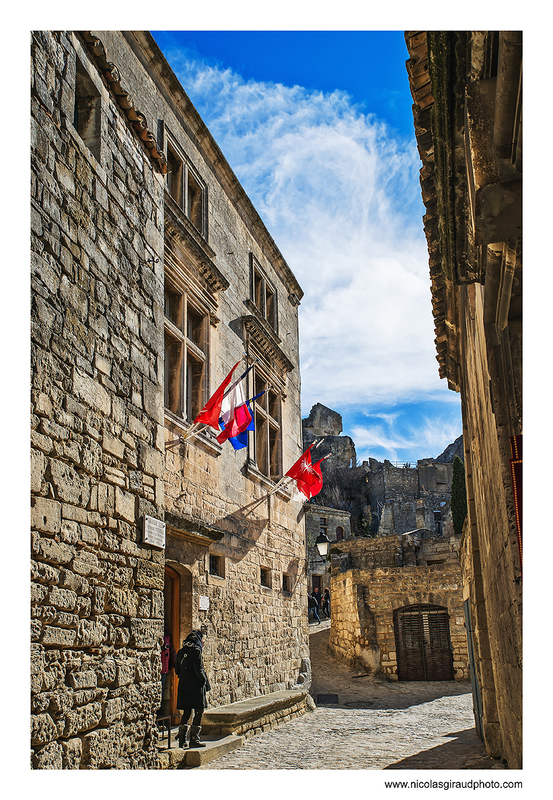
(423, 644)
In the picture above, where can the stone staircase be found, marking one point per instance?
(226, 727)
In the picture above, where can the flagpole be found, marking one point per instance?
(189, 434)
(241, 378)
(278, 485)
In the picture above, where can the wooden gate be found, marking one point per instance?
(423, 645)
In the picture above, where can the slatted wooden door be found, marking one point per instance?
(423, 644)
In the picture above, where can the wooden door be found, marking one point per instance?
(172, 623)
(423, 644)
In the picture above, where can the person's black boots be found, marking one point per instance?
(183, 730)
(195, 737)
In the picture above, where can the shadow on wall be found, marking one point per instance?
(244, 532)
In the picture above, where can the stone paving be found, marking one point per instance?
(374, 725)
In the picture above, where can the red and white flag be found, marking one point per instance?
(235, 414)
(308, 476)
(210, 413)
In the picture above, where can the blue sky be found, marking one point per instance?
(317, 126)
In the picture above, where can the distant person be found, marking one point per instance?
(193, 685)
(317, 596)
(326, 603)
(312, 607)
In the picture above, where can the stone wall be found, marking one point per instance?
(336, 521)
(255, 616)
(104, 230)
(97, 440)
(370, 583)
(467, 108)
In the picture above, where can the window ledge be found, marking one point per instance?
(215, 580)
(178, 427)
(252, 472)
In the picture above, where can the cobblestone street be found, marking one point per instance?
(369, 725)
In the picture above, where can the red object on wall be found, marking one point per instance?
(516, 480)
(167, 655)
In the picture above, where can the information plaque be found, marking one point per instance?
(154, 532)
(204, 603)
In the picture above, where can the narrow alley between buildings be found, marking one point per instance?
(362, 722)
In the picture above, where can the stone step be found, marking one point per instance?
(197, 756)
(254, 714)
(182, 758)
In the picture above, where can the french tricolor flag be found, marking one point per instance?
(235, 414)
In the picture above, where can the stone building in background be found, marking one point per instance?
(152, 276)
(467, 106)
(397, 607)
(382, 498)
(393, 572)
(332, 523)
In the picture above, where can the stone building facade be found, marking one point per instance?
(395, 580)
(467, 106)
(335, 525)
(397, 607)
(152, 275)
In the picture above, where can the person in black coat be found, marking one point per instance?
(312, 606)
(193, 686)
(326, 603)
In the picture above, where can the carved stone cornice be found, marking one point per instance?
(440, 246)
(177, 226)
(111, 77)
(267, 342)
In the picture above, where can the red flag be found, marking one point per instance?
(302, 465)
(314, 482)
(308, 476)
(211, 412)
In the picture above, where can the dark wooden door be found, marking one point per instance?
(423, 644)
(172, 624)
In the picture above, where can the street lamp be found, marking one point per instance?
(323, 542)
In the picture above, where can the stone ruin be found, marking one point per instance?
(382, 498)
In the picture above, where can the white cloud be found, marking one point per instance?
(341, 197)
(401, 440)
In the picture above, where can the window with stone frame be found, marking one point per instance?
(186, 188)
(286, 583)
(265, 577)
(267, 415)
(87, 111)
(186, 353)
(216, 565)
(323, 525)
(263, 294)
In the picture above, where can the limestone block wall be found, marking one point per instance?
(97, 427)
(256, 634)
(491, 552)
(364, 598)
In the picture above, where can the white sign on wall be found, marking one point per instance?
(204, 603)
(154, 531)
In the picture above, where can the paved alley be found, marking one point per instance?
(366, 723)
